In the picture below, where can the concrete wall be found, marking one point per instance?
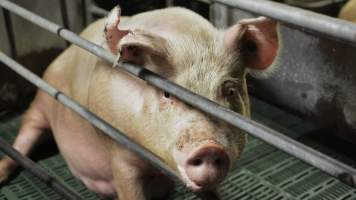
(31, 38)
(36, 48)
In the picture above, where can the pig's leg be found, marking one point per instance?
(31, 130)
(128, 171)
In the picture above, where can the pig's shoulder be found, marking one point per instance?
(71, 70)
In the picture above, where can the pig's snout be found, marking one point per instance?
(207, 166)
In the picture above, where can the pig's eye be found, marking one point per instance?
(167, 95)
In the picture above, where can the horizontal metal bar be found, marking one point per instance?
(277, 139)
(35, 169)
(314, 4)
(94, 9)
(308, 20)
(206, 1)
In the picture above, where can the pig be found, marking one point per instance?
(348, 12)
(179, 45)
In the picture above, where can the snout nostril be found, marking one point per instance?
(207, 166)
(218, 162)
(197, 162)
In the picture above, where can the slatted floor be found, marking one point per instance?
(263, 172)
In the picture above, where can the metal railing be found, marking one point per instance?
(292, 147)
(10, 33)
(306, 20)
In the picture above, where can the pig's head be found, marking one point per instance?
(207, 61)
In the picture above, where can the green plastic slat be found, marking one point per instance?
(3, 197)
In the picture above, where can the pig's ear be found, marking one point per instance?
(257, 40)
(113, 33)
(133, 45)
(140, 45)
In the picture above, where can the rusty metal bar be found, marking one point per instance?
(10, 33)
(36, 170)
(277, 139)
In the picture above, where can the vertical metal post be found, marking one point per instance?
(195, 6)
(10, 33)
(64, 14)
(84, 13)
(100, 12)
(169, 3)
(219, 15)
(87, 16)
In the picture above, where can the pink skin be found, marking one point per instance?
(257, 31)
(203, 167)
(174, 43)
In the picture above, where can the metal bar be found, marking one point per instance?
(112, 132)
(10, 33)
(194, 5)
(316, 4)
(307, 20)
(64, 14)
(36, 170)
(206, 1)
(277, 139)
(88, 15)
(94, 9)
(84, 10)
(169, 3)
